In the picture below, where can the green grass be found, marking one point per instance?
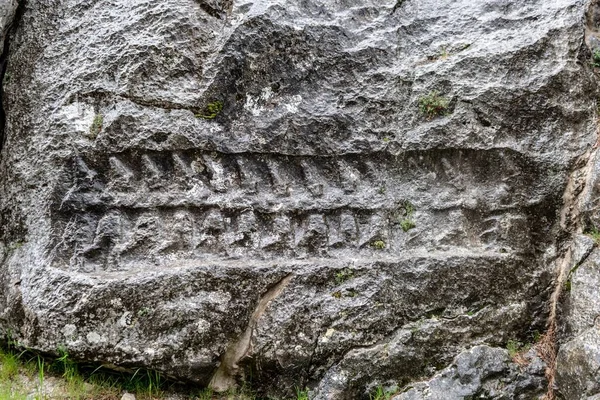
(205, 394)
(381, 394)
(407, 225)
(10, 362)
(596, 58)
(41, 374)
(301, 394)
(433, 105)
(26, 372)
(594, 233)
(515, 347)
(11, 391)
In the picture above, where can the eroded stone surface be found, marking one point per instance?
(578, 363)
(139, 233)
(483, 372)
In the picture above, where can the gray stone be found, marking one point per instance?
(218, 189)
(578, 362)
(482, 372)
(584, 299)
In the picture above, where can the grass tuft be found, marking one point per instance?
(381, 394)
(594, 233)
(433, 105)
(596, 58)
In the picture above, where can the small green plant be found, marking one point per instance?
(594, 233)
(15, 245)
(40, 366)
(206, 394)
(301, 394)
(96, 126)
(381, 394)
(378, 245)
(148, 384)
(407, 225)
(144, 311)
(444, 53)
(515, 347)
(337, 294)
(596, 58)
(433, 105)
(66, 366)
(211, 111)
(343, 276)
(7, 77)
(406, 217)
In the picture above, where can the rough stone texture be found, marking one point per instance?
(578, 359)
(578, 373)
(483, 373)
(578, 362)
(267, 241)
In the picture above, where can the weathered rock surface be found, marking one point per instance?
(578, 362)
(483, 373)
(143, 226)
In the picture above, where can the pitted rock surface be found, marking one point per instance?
(221, 189)
(483, 373)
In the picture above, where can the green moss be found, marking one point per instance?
(96, 126)
(212, 110)
(406, 216)
(407, 225)
(568, 285)
(433, 105)
(343, 276)
(378, 245)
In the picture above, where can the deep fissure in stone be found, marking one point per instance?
(12, 28)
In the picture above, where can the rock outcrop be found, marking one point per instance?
(334, 194)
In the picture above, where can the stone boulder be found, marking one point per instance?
(284, 190)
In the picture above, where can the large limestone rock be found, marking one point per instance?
(219, 190)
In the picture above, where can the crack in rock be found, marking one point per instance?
(224, 377)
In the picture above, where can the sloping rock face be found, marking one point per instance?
(228, 191)
(483, 373)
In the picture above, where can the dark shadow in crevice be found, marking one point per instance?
(10, 31)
